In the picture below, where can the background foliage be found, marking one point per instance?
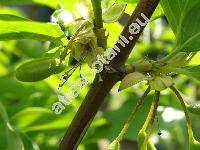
(25, 108)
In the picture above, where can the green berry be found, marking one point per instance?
(38, 69)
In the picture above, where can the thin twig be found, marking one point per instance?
(133, 114)
(150, 119)
(69, 44)
(189, 125)
(98, 22)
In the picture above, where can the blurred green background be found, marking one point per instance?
(26, 107)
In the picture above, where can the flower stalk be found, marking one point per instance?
(150, 119)
(189, 125)
(132, 116)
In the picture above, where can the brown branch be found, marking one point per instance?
(99, 90)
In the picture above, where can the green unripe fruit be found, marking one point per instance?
(38, 69)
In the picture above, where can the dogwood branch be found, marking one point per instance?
(99, 90)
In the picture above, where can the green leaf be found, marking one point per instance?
(194, 108)
(189, 34)
(22, 119)
(49, 3)
(16, 1)
(161, 83)
(195, 145)
(41, 120)
(190, 71)
(31, 48)
(195, 59)
(184, 19)
(116, 119)
(14, 27)
(3, 114)
(178, 60)
(175, 11)
(10, 17)
(28, 143)
(113, 13)
(114, 145)
(131, 79)
(157, 13)
(13, 140)
(12, 11)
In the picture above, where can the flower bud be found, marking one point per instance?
(62, 17)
